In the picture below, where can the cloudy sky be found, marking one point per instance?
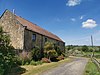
(72, 20)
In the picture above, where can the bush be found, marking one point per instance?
(85, 48)
(24, 58)
(45, 60)
(58, 50)
(39, 62)
(49, 51)
(33, 63)
(7, 55)
(36, 53)
(27, 63)
(1, 70)
(60, 57)
(36, 63)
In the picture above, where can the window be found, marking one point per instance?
(58, 43)
(33, 37)
(17, 22)
(45, 39)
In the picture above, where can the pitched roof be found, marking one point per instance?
(37, 29)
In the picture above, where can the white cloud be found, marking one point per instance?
(73, 19)
(73, 2)
(81, 17)
(90, 23)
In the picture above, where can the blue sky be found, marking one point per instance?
(74, 21)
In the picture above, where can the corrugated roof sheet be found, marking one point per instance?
(37, 29)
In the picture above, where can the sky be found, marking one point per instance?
(74, 21)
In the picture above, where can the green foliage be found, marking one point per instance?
(49, 51)
(33, 63)
(39, 62)
(58, 50)
(85, 48)
(7, 56)
(60, 57)
(24, 58)
(36, 53)
(69, 47)
(36, 63)
(91, 69)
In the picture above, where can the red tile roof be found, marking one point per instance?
(37, 29)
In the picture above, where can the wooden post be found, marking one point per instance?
(92, 45)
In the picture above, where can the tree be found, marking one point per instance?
(6, 53)
(70, 47)
(85, 48)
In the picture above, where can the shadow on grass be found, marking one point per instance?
(17, 71)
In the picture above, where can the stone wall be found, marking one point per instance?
(29, 43)
(40, 40)
(21, 38)
(13, 28)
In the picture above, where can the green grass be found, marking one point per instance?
(35, 70)
(91, 69)
(96, 53)
(88, 54)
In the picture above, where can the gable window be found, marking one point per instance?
(33, 37)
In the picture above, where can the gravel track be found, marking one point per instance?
(76, 67)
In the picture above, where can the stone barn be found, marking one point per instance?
(25, 35)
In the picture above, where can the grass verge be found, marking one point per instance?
(35, 70)
(91, 69)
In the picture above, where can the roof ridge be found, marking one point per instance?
(26, 20)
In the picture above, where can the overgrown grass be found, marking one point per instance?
(35, 70)
(91, 69)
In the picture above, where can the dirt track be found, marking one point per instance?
(76, 67)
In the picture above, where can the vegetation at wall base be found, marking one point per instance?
(36, 70)
(36, 53)
(52, 51)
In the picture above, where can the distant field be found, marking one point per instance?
(96, 54)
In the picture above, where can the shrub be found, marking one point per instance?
(85, 48)
(24, 58)
(33, 63)
(36, 63)
(60, 57)
(39, 62)
(27, 63)
(36, 53)
(45, 60)
(1, 70)
(58, 50)
(7, 55)
(49, 50)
